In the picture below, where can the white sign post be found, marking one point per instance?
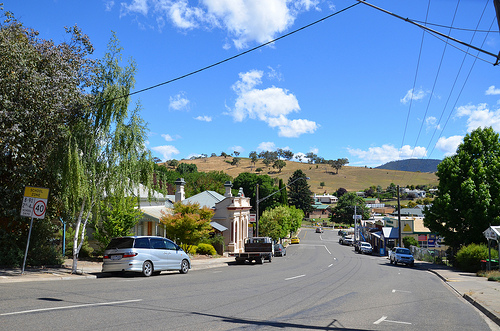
(34, 206)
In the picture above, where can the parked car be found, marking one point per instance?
(145, 254)
(279, 250)
(295, 240)
(346, 240)
(366, 248)
(401, 255)
(319, 230)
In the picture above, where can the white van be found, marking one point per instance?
(146, 254)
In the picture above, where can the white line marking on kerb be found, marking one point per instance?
(69, 307)
(294, 277)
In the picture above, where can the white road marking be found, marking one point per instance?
(295, 277)
(384, 319)
(380, 320)
(330, 265)
(70, 307)
(394, 291)
(319, 246)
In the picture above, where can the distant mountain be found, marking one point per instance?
(415, 165)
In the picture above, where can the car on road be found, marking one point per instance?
(145, 254)
(346, 240)
(279, 250)
(365, 248)
(319, 230)
(295, 240)
(401, 255)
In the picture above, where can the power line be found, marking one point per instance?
(238, 55)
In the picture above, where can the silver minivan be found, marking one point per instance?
(146, 254)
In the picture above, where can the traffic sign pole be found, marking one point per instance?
(27, 245)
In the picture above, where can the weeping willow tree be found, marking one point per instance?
(106, 151)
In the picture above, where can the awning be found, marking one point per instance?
(218, 226)
(376, 234)
(390, 233)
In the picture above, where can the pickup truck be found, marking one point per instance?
(401, 255)
(257, 249)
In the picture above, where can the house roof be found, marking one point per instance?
(205, 199)
(154, 213)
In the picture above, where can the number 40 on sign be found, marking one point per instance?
(35, 202)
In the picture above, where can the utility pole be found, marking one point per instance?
(399, 220)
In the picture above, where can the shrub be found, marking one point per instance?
(206, 249)
(469, 257)
(189, 249)
(410, 241)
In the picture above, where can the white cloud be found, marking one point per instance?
(137, 6)
(449, 145)
(387, 153)
(167, 151)
(203, 118)
(109, 4)
(266, 146)
(492, 90)
(167, 137)
(413, 95)
(236, 149)
(432, 123)
(245, 21)
(179, 102)
(479, 116)
(271, 105)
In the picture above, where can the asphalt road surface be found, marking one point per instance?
(318, 285)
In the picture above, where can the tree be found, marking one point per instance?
(188, 224)
(248, 181)
(278, 222)
(410, 241)
(279, 164)
(253, 157)
(339, 163)
(224, 154)
(173, 163)
(299, 193)
(41, 96)
(186, 168)
(347, 205)
(468, 201)
(284, 195)
(105, 151)
(118, 218)
(235, 161)
(236, 153)
(340, 192)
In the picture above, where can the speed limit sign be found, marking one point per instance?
(34, 202)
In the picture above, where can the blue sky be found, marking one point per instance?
(362, 84)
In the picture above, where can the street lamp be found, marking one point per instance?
(257, 200)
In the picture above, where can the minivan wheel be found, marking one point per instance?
(184, 267)
(147, 268)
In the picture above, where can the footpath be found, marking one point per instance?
(483, 294)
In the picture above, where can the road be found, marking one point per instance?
(318, 285)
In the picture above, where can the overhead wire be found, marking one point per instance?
(414, 85)
(234, 56)
(433, 86)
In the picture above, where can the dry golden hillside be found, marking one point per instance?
(350, 178)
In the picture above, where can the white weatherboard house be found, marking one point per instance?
(231, 218)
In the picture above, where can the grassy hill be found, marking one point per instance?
(350, 178)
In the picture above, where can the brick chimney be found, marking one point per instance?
(179, 189)
(228, 185)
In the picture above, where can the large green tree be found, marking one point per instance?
(42, 86)
(468, 199)
(278, 222)
(299, 193)
(105, 153)
(347, 205)
(248, 181)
